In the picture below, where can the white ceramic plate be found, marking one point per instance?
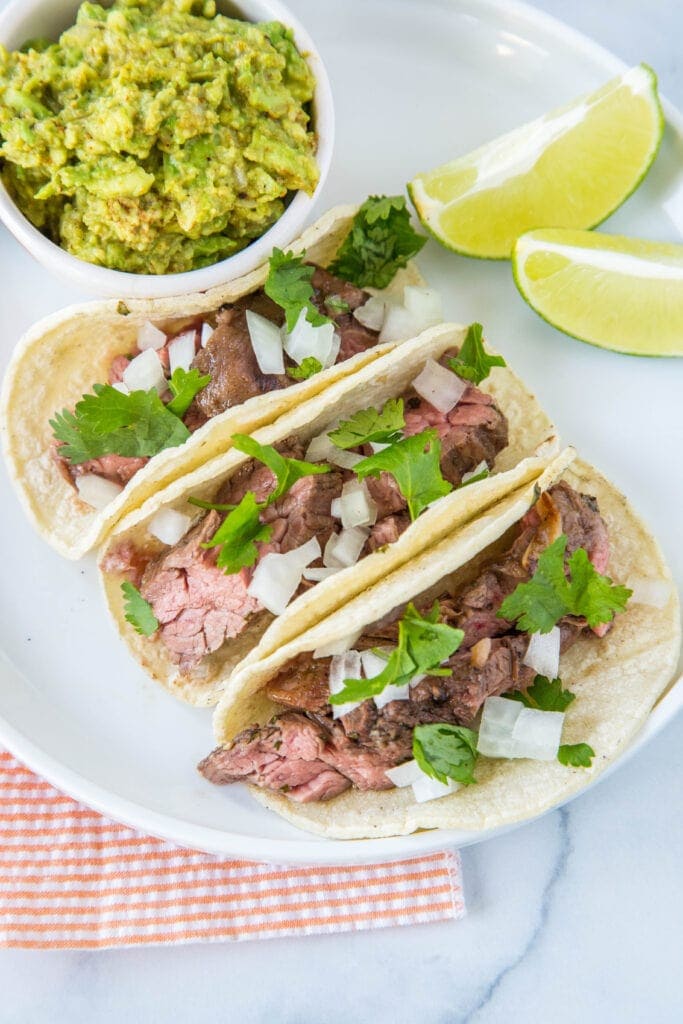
(415, 84)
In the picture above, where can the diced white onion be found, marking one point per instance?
(377, 446)
(120, 386)
(425, 305)
(536, 734)
(373, 663)
(543, 653)
(390, 693)
(356, 506)
(181, 351)
(343, 549)
(306, 340)
(343, 666)
(145, 372)
(150, 336)
(482, 467)
(320, 572)
(404, 774)
(427, 788)
(371, 315)
(439, 386)
(340, 646)
(168, 525)
(97, 491)
(347, 460)
(399, 324)
(335, 508)
(277, 576)
(334, 351)
(321, 449)
(266, 341)
(649, 590)
(207, 333)
(498, 719)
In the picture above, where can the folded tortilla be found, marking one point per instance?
(385, 377)
(616, 680)
(62, 356)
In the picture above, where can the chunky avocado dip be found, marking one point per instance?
(156, 136)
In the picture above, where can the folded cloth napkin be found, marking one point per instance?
(71, 879)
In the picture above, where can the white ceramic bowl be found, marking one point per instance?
(28, 19)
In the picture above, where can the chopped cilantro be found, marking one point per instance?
(414, 463)
(335, 304)
(111, 423)
(184, 385)
(210, 505)
(309, 367)
(138, 611)
(367, 425)
(446, 752)
(286, 471)
(423, 644)
(472, 362)
(380, 242)
(237, 535)
(474, 479)
(575, 755)
(537, 605)
(289, 284)
(544, 694)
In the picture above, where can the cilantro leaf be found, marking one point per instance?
(108, 422)
(575, 755)
(289, 284)
(335, 304)
(286, 471)
(423, 643)
(380, 242)
(367, 425)
(309, 367)
(184, 385)
(237, 535)
(414, 463)
(474, 479)
(472, 362)
(540, 603)
(138, 611)
(446, 752)
(544, 694)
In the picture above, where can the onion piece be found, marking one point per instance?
(536, 734)
(150, 336)
(372, 313)
(543, 653)
(145, 372)
(342, 667)
(373, 663)
(181, 351)
(334, 351)
(320, 572)
(427, 788)
(306, 340)
(481, 468)
(390, 693)
(277, 576)
(168, 525)
(321, 449)
(207, 333)
(340, 646)
(343, 549)
(649, 590)
(404, 774)
(439, 386)
(335, 508)
(96, 491)
(356, 505)
(498, 719)
(377, 446)
(399, 324)
(266, 341)
(425, 305)
(120, 386)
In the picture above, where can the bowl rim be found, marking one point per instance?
(106, 282)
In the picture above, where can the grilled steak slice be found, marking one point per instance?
(303, 683)
(117, 468)
(304, 512)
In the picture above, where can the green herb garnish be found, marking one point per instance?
(237, 536)
(367, 425)
(544, 694)
(309, 367)
(473, 362)
(446, 752)
(414, 463)
(138, 611)
(286, 471)
(289, 284)
(184, 385)
(380, 242)
(576, 755)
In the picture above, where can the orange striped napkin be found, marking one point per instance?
(71, 879)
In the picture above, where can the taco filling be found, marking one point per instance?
(294, 514)
(401, 706)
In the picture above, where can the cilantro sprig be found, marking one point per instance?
(237, 536)
(472, 361)
(414, 463)
(289, 285)
(423, 644)
(536, 606)
(137, 611)
(108, 422)
(544, 694)
(576, 755)
(184, 385)
(286, 471)
(380, 242)
(309, 367)
(383, 426)
(446, 752)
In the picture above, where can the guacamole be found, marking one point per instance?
(156, 136)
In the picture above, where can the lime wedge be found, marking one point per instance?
(618, 293)
(570, 168)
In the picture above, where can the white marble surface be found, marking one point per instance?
(576, 917)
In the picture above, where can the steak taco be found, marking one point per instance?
(258, 544)
(481, 684)
(106, 403)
